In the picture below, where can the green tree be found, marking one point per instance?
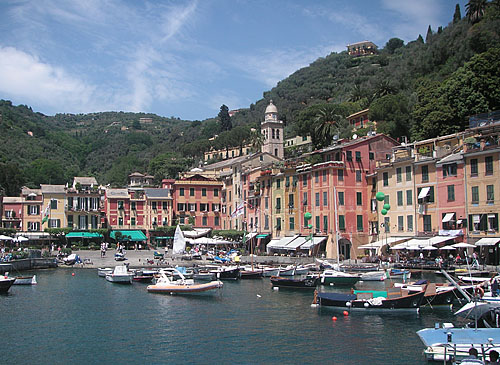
(457, 16)
(11, 179)
(136, 124)
(428, 36)
(224, 118)
(475, 10)
(393, 44)
(392, 115)
(329, 121)
(45, 171)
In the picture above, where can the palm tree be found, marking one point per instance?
(256, 140)
(326, 125)
(475, 10)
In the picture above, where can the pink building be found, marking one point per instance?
(12, 214)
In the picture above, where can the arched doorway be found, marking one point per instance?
(344, 248)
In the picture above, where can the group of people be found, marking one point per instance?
(474, 359)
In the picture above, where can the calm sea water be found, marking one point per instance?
(86, 320)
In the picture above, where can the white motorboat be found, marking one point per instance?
(334, 277)
(120, 275)
(373, 276)
(270, 271)
(301, 270)
(287, 271)
(103, 271)
(25, 280)
(168, 285)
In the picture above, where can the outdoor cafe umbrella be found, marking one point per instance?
(463, 245)
(5, 238)
(448, 248)
(21, 239)
(429, 248)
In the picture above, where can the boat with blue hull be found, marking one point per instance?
(392, 299)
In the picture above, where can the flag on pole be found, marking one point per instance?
(46, 213)
(239, 210)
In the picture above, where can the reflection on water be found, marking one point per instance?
(85, 319)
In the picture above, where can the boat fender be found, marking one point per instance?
(479, 291)
(348, 304)
(366, 305)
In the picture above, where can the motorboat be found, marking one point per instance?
(392, 299)
(308, 282)
(203, 275)
(338, 278)
(373, 276)
(270, 271)
(227, 272)
(287, 271)
(403, 274)
(103, 271)
(301, 270)
(445, 342)
(120, 275)
(359, 268)
(71, 259)
(168, 285)
(6, 283)
(25, 280)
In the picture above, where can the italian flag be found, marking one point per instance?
(46, 213)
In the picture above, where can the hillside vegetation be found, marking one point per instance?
(419, 90)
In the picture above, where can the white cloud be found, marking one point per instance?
(25, 76)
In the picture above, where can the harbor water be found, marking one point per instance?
(83, 319)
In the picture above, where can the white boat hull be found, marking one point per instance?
(122, 279)
(102, 272)
(25, 280)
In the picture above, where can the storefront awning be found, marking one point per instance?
(315, 241)
(130, 235)
(262, 236)
(424, 192)
(488, 241)
(448, 217)
(83, 235)
(382, 242)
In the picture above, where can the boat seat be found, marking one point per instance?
(431, 289)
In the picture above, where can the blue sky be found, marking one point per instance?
(183, 58)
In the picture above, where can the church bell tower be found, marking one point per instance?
(272, 130)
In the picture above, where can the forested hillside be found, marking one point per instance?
(422, 89)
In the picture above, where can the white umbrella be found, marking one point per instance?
(429, 248)
(448, 248)
(463, 245)
(21, 239)
(5, 238)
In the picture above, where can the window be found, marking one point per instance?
(450, 169)
(492, 222)
(53, 203)
(425, 173)
(120, 204)
(120, 222)
(278, 204)
(400, 198)
(203, 191)
(387, 199)
(451, 193)
(316, 176)
(54, 223)
(215, 207)
(191, 191)
(291, 223)
(216, 221)
(304, 198)
(429, 198)
(278, 224)
(181, 207)
(399, 176)
(359, 198)
(153, 205)
(401, 223)
(488, 161)
(340, 174)
(164, 205)
(204, 207)
(427, 223)
(70, 221)
(278, 184)
(204, 221)
(304, 180)
(341, 223)
(132, 221)
(385, 177)
(316, 196)
(132, 205)
(192, 207)
(349, 155)
(181, 191)
(387, 225)
(266, 202)
(358, 156)
(358, 175)
(33, 226)
(359, 223)
(324, 175)
(409, 223)
(325, 198)
(341, 198)
(33, 209)
(290, 201)
(325, 223)
(409, 197)
(475, 194)
(371, 156)
(490, 194)
(408, 173)
(266, 221)
(473, 167)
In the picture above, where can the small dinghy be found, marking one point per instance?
(168, 285)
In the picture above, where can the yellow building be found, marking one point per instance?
(53, 206)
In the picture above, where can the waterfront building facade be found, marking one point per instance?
(12, 212)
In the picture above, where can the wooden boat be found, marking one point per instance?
(6, 283)
(103, 271)
(251, 274)
(287, 271)
(25, 280)
(435, 294)
(168, 285)
(309, 282)
(338, 278)
(392, 299)
(120, 275)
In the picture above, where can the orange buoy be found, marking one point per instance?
(346, 313)
(334, 318)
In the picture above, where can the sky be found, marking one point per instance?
(184, 58)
